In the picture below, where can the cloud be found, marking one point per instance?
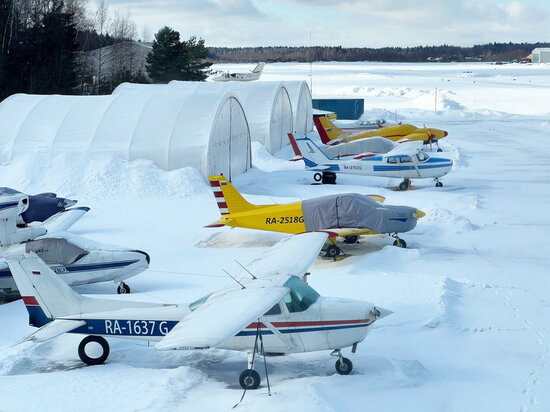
(350, 23)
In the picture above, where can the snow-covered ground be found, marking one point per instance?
(471, 294)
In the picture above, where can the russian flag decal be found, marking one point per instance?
(36, 272)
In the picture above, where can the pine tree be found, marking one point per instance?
(172, 59)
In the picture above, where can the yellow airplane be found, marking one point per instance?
(344, 215)
(330, 134)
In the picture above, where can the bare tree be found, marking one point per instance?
(101, 23)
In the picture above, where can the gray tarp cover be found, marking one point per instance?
(353, 210)
(55, 251)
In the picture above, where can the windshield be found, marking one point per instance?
(194, 305)
(301, 295)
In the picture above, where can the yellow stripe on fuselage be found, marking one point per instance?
(287, 218)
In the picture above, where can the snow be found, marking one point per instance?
(470, 295)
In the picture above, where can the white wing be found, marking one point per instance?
(291, 256)
(222, 317)
(405, 149)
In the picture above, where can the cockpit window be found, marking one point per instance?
(392, 159)
(301, 295)
(405, 159)
(421, 156)
(275, 310)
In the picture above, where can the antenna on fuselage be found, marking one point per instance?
(248, 271)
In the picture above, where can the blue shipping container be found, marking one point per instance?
(349, 109)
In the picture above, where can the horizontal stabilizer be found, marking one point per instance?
(52, 329)
(221, 317)
(64, 220)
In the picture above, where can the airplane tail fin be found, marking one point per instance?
(259, 68)
(228, 198)
(45, 294)
(327, 130)
(310, 152)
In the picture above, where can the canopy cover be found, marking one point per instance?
(353, 210)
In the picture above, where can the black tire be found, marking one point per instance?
(402, 243)
(439, 184)
(439, 150)
(123, 289)
(350, 240)
(249, 379)
(403, 186)
(317, 177)
(329, 178)
(333, 251)
(344, 367)
(89, 360)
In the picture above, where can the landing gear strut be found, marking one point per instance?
(123, 288)
(405, 184)
(343, 365)
(86, 353)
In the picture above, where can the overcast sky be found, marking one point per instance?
(349, 23)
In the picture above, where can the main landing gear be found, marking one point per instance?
(93, 350)
(343, 365)
(405, 184)
(438, 183)
(332, 250)
(326, 178)
(399, 242)
(123, 288)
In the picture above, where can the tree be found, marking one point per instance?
(171, 59)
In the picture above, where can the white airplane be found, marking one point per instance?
(75, 259)
(406, 161)
(241, 77)
(267, 309)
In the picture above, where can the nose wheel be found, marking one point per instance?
(438, 183)
(123, 288)
(405, 184)
(399, 242)
(343, 365)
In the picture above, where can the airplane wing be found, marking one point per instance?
(222, 317)
(292, 256)
(378, 198)
(63, 220)
(405, 149)
(53, 329)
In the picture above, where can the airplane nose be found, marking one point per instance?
(419, 214)
(147, 257)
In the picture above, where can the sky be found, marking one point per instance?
(347, 23)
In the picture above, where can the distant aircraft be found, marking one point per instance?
(346, 215)
(406, 161)
(76, 260)
(331, 135)
(241, 77)
(267, 310)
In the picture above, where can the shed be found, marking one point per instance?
(193, 127)
(541, 55)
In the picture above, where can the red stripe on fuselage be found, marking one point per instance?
(254, 325)
(30, 301)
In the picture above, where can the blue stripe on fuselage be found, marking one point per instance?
(252, 332)
(100, 266)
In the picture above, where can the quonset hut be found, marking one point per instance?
(174, 128)
(267, 106)
(302, 110)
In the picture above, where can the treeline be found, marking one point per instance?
(486, 52)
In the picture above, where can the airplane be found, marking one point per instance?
(242, 77)
(347, 215)
(268, 310)
(406, 161)
(331, 135)
(75, 259)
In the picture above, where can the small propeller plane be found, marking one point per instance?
(406, 161)
(241, 77)
(346, 215)
(267, 310)
(76, 260)
(331, 135)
